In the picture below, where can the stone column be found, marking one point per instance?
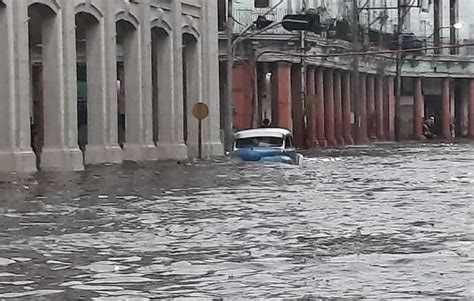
(338, 108)
(379, 92)
(418, 110)
(134, 124)
(329, 107)
(114, 151)
(60, 151)
(281, 104)
(362, 108)
(446, 109)
(99, 148)
(471, 109)
(194, 84)
(16, 154)
(389, 108)
(242, 96)
(148, 146)
(177, 101)
(212, 145)
(346, 109)
(321, 131)
(371, 107)
(311, 132)
(297, 107)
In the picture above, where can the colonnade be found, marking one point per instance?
(141, 82)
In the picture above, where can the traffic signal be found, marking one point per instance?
(262, 22)
(302, 22)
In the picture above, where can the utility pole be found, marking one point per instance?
(398, 77)
(437, 25)
(355, 78)
(303, 70)
(228, 103)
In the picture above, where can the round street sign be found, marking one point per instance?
(200, 111)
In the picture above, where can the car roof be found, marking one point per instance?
(262, 132)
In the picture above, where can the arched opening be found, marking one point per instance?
(190, 86)
(161, 74)
(43, 47)
(127, 74)
(88, 45)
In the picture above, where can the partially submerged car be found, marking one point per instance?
(266, 145)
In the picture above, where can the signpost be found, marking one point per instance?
(200, 111)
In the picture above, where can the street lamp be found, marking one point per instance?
(457, 25)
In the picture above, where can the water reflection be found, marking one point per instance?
(374, 222)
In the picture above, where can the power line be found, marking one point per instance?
(362, 53)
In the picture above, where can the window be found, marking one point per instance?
(262, 3)
(288, 142)
(259, 142)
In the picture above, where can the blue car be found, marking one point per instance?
(265, 145)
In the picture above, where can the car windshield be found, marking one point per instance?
(259, 142)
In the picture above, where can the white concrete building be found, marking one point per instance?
(145, 64)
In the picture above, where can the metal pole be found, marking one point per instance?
(228, 104)
(355, 78)
(398, 77)
(200, 138)
(303, 72)
(437, 25)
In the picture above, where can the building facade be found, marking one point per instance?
(306, 83)
(96, 81)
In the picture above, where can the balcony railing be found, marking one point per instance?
(245, 16)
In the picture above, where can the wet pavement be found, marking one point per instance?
(365, 222)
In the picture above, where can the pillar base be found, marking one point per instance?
(209, 149)
(18, 161)
(171, 151)
(313, 143)
(340, 141)
(60, 159)
(213, 149)
(98, 154)
(331, 143)
(322, 142)
(348, 141)
(139, 152)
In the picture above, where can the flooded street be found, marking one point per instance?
(364, 222)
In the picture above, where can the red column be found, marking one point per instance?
(311, 137)
(379, 128)
(297, 107)
(346, 109)
(389, 109)
(418, 110)
(371, 107)
(281, 98)
(338, 107)
(321, 132)
(471, 109)
(242, 96)
(361, 122)
(446, 110)
(329, 107)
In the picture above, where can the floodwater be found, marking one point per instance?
(365, 222)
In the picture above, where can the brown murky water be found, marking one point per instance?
(365, 222)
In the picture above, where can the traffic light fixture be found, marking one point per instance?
(302, 22)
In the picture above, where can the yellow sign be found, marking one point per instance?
(200, 111)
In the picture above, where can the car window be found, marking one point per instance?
(259, 142)
(288, 142)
